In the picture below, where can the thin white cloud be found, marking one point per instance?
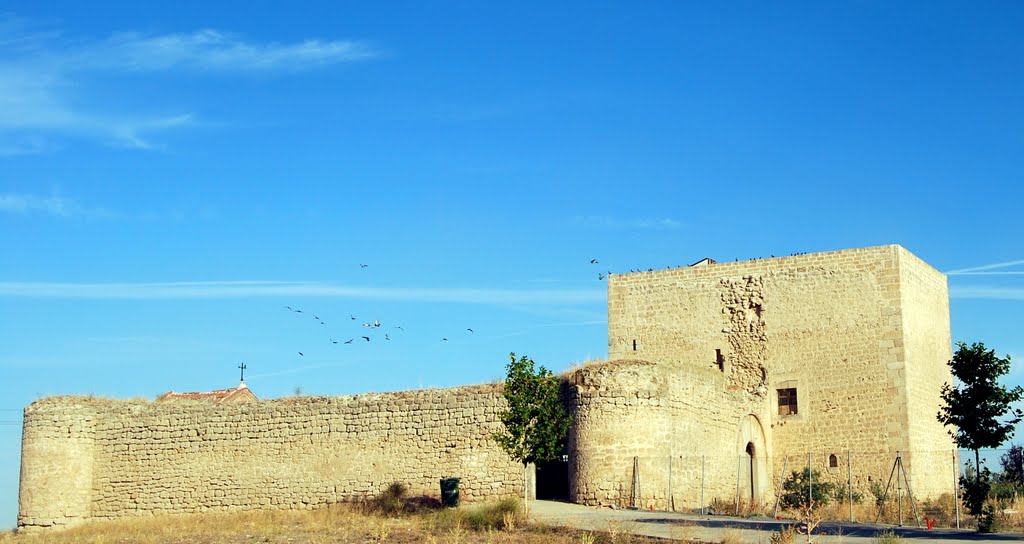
(640, 223)
(214, 50)
(250, 289)
(24, 204)
(987, 269)
(987, 292)
(44, 92)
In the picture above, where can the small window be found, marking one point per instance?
(833, 461)
(787, 401)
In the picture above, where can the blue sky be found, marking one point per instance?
(171, 177)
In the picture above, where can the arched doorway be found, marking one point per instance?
(753, 460)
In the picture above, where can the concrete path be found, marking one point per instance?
(748, 530)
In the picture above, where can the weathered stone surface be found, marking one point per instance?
(862, 334)
(87, 458)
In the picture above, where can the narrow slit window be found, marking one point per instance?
(787, 401)
(720, 360)
(634, 344)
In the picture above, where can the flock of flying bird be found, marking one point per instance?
(376, 325)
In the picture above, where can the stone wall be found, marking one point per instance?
(85, 458)
(926, 338)
(678, 425)
(861, 334)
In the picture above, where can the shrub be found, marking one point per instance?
(786, 536)
(841, 494)
(796, 487)
(878, 492)
(395, 500)
(1006, 490)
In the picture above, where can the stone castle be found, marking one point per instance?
(720, 377)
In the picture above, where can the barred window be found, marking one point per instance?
(787, 401)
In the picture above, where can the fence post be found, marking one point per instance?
(671, 499)
(956, 487)
(636, 483)
(739, 463)
(782, 479)
(849, 479)
(899, 489)
(702, 484)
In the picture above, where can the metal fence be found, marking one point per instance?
(916, 486)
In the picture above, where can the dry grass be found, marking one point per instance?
(499, 523)
(731, 536)
(941, 510)
(577, 365)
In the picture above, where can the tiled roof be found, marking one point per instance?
(240, 393)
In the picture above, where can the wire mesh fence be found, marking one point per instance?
(919, 487)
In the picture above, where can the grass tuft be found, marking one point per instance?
(887, 537)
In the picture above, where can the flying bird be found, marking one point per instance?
(352, 317)
(349, 341)
(300, 353)
(444, 339)
(294, 310)
(366, 324)
(593, 261)
(399, 328)
(376, 323)
(333, 341)
(470, 330)
(363, 265)
(367, 338)
(600, 276)
(386, 337)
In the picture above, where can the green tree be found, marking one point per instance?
(981, 412)
(1013, 465)
(536, 422)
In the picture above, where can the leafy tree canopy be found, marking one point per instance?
(536, 422)
(1013, 464)
(979, 407)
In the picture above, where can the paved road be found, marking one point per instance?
(749, 530)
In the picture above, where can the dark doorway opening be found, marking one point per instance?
(553, 480)
(752, 470)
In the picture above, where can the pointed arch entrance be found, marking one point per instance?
(753, 460)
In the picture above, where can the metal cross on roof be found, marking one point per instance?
(242, 366)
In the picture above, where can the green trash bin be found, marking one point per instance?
(450, 492)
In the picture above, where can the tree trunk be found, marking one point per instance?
(977, 468)
(526, 491)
